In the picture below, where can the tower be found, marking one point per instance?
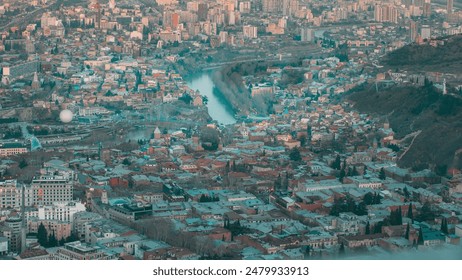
(35, 82)
(444, 87)
(157, 133)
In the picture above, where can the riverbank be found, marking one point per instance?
(218, 108)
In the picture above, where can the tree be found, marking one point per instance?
(406, 193)
(406, 235)
(302, 140)
(278, 183)
(295, 154)
(378, 227)
(444, 226)
(210, 139)
(42, 235)
(341, 250)
(377, 198)
(420, 240)
(308, 251)
(23, 163)
(186, 98)
(354, 172)
(52, 241)
(382, 175)
(395, 218)
(368, 228)
(336, 163)
(126, 161)
(368, 198)
(285, 182)
(426, 212)
(342, 175)
(62, 241)
(410, 215)
(361, 209)
(227, 167)
(71, 238)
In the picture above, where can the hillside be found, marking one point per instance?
(446, 58)
(410, 109)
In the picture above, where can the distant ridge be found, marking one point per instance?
(439, 55)
(413, 108)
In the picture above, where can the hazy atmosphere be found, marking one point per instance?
(231, 130)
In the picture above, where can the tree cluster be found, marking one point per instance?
(49, 240)
(426, 213)
(281, 183)
(207, 198)
(210, 139)
(295, 154)
(348, 204)
(382, 175)
(236, 228)
(372, 198)
(164, 230)
(396, 217)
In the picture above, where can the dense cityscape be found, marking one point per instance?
(230, 129)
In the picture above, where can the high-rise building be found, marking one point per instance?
(3, 245)
(386, 13)
(15, 226)
(272, 6)
(250, 31)
(244, 7)
(306, 34)
(175, 20)
(289, 7)
(425, 32)
(9, 195)
(413, 31)
(202, 11)
(45, 189)
(80, 251)
(223, 37)
(59, 211)
(450, 6)
(51, 188)
(427, 9)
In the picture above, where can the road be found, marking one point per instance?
(267, 59)
(28, 18)
(443, 3)
(412, 142)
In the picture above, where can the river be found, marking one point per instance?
(218, 109)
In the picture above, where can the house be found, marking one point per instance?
(358, 241)
(198, 100)
(431, 237)
(9, 149)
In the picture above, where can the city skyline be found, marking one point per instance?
(230, 130)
